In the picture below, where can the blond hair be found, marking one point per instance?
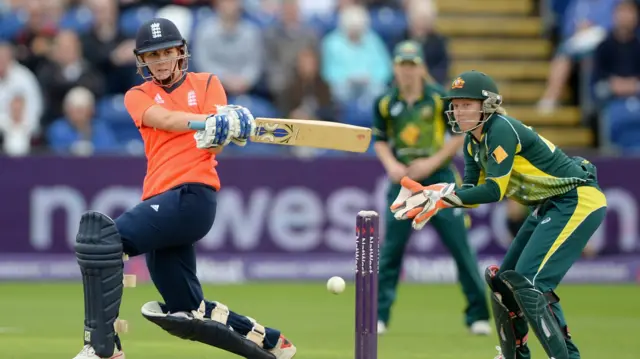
(501, 111)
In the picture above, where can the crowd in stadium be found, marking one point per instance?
(65, 64)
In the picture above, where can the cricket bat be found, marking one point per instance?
(307, 133)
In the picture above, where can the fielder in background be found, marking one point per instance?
(409, 133)
(178, 208)
(505, 158)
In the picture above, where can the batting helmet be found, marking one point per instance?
(160, 34)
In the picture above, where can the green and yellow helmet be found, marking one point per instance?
(474, 85)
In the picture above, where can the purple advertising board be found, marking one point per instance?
(277, 219)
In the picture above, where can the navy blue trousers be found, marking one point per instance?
(165, 228)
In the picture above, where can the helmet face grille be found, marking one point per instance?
(182, 65)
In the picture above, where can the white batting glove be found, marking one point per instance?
(242, 124)
(216, 132)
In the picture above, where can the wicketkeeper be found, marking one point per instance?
(504, 157)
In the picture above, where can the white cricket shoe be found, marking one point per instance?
(87, 352)
(499, 356)
(480, 327)
(382, 328)
(284, 349)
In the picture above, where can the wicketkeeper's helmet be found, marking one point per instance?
(160, 34)
(474, 85)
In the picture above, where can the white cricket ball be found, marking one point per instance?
(336, 285)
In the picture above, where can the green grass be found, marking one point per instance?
(45, 320)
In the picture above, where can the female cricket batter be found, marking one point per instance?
(503, 157)
(178, 208)
(409, 130)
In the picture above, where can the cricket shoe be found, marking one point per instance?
(284, 349)
(87, 352)
(499, 356)
(480, 327)
(382, 328)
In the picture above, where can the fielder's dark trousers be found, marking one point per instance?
(165, 228)
(550, 241)
(450, 225)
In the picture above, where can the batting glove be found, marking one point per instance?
(242, 123)
(216, 132)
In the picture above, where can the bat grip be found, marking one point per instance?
(196, 125)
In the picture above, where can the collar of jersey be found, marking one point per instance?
(172, 88)
(485, 129)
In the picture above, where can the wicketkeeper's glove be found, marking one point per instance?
(421, 203)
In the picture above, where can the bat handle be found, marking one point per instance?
(196, 125)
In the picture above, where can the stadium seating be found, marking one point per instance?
(506, 43)
(500, 37)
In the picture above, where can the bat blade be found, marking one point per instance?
(311, 133)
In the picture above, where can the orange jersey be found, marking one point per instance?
(172, 157)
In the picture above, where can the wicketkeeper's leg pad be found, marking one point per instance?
(194, 326)
(504, 318)
(535, 306)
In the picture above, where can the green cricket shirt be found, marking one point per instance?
(415, 131)
(512, 160)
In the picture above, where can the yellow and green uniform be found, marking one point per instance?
(413, 132)
(566, 203)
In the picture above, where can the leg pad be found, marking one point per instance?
(99, 254)
(193, 326)
(503, 318)
(536, 308)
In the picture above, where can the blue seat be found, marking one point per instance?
(358, 113)
(202, 13)
(111, 109)
(322, 25)
(10, 24)
(388, 23)
(260, 19)
(258, 106)
(622, 118)
(78, 19)
(131, 19)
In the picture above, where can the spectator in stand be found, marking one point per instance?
(283, 43)
(617, 78)
(372, 4)
(421, 16)
(107, 49)
(230, 47)
(35, 39)
(355, 60)
(315, 8)
(65, 69)
(20, 104)
(307, 95)
(79, 133)
(586, 24)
